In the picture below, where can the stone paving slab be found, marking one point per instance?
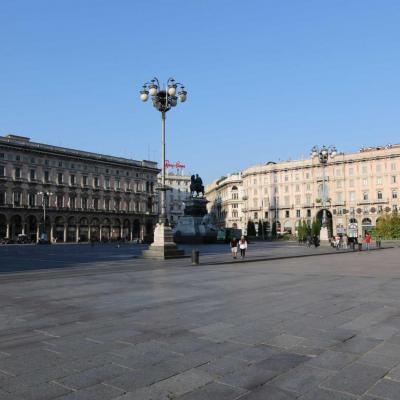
(312, 328)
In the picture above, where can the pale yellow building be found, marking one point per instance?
(361, 187)
(225, 196)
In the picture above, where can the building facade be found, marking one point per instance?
(87, 196)
(226, 200)
(179, 185)
(361, 187)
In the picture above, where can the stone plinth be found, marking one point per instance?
(196, 225)
(323, 234)
(163, 246)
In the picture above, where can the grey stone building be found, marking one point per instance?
(87, 196)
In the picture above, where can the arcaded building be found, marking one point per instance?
(86, 196)
(361, 187)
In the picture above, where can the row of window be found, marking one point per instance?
(138, 186)
(339, 198)
(83, 202)
(352, 210)
(65, 164)
(365, 169)
(339, 185)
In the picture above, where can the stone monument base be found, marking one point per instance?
(196, 225)
(163, 247)
(324, 235)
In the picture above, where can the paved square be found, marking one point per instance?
(309, 328)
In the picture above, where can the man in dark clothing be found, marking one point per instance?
(234, 247)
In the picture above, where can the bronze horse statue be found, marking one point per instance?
(196, 186)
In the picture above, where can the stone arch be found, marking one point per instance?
(32, 226)
(116, 229)
(287, 226)
(94, 229)
(83, 229)
(58, 232)
(366, 225)
(329, 220)
(126, 230)
(136, 229)
(16, 226)
(105, 230)
(71, 229)
(3, 226)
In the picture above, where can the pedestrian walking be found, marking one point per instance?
(242, 246)
(345, 241)
(234, 247)
(337, 242)
(367, 239)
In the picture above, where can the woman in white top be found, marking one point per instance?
(242, 246)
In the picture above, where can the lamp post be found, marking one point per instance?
(163, 98)
(323, 154)
(45, 195)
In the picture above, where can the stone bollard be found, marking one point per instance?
(195, 257)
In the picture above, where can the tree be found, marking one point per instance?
(388, 227)
(260, 228)
(273, 230)
(315, 228)
(251, 229)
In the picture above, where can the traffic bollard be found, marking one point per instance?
(195, 257)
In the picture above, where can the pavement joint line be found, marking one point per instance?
(52, 351)
(338, 391)
(246, 260)
(63, 386)
(94, 340)
(7, 373)
(45, 333)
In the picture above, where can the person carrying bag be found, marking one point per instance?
(242, 246)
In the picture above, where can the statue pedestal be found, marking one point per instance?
(196, 225)
(323, 235)
(163, 247)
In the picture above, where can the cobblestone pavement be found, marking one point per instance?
(311, 328)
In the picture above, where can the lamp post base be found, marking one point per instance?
(163, 247)
(324, 235)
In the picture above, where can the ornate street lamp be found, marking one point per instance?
(163, 98)
(323, 154)
(45, 195)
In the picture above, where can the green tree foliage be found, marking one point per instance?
(303, 230)
(260, 228)
(251, 229)
(273, 230)
(315, 228)
(388, 227)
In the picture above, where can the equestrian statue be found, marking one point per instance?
(196, 186)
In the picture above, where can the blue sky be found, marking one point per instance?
(266, 80)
